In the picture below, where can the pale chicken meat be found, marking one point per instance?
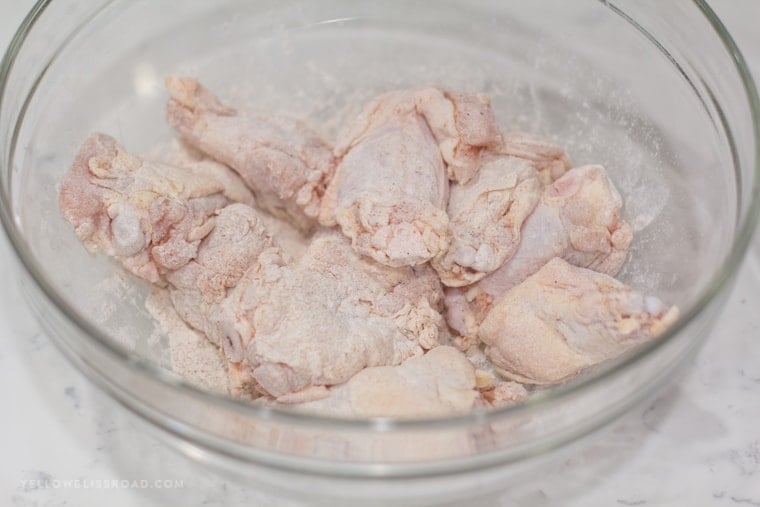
(463, 125)
(577, 219)
(198, 289)
(315, 323)
(551, 161)
(486, 216)
(563, 319)
(178, 153)
(151, 216)
(442, 382)
(178, 227)
(300, 328)
(390, 189)
(285, 164)
(293, 240)
(326, 277)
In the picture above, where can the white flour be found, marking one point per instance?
(192, 356)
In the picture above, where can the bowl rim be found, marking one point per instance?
(720, 281)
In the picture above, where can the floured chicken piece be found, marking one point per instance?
(180, 154)
(577, 219)
(347, 321)
(485, 218)
(551, 161)
(442, 382)
(565, 318)
(192, 356)
(285, 164)
(315, 323)
(150, 216)
(301, 328)
(237, 241)
(199, 289)
(390, 189)
(463, 124)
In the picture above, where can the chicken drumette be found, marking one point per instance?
(390, 189)
(285, 164)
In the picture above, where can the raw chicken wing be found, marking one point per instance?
(300, 328)
(463, 124)
(486, 216)
(550, 160)
(150, 216)
(390, 189)
(237, 241)
(577, 219)
(285, 164)
(565, 318)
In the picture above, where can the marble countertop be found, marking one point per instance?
(698, 443)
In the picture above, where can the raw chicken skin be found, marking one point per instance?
(237, 241)
(426, 193)
(463, 124)
(550, 160)
(442, 382)
(285, 164)
(565, 318)
(228, 279)
(177, 153)
(301, 328)
(390, 189)
(577, 219)
(486, 216)
(150, 216)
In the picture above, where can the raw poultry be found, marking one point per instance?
(299, 328)
(390, 189)
(421, 198)
(486, 216)
(149, 215)
(237, 283)
(564, 318)
(439, 383)
(577, 219)
(286, 165)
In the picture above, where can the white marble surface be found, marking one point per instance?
(696, 444)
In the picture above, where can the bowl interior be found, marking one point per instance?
(577, 73)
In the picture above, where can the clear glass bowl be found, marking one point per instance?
(655, 91)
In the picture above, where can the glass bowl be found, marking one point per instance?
(655, 91)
